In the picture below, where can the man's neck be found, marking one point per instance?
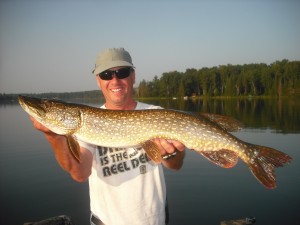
(131, 105)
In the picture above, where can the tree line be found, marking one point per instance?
(281, 78)
(81, 96)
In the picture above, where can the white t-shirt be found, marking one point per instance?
(125, 186)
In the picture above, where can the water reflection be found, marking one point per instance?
(279, 114)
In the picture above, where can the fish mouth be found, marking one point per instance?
(33, 106)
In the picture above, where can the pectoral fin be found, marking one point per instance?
(224, 158)
(152, 151)
(74, 147)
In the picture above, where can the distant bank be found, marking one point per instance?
(94, 94)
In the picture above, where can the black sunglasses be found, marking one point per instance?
(120, 73)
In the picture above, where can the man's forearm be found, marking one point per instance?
(79, 171)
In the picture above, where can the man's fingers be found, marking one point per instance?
(168, 147)
(178, 145)
(39, 126)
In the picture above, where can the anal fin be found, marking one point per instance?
(74, 147)
(152, 151)
(224, 158)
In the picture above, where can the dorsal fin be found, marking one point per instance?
(226, 122)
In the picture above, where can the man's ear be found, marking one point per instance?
(133, 77)
(98, 81)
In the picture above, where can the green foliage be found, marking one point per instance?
(281, 78)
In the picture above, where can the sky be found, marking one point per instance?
(51, 45)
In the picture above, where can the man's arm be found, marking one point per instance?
(78, 171)
(168, 147)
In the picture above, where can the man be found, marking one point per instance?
(126, 187)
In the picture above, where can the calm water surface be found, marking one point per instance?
(33, 186)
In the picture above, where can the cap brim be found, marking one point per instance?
(103, 67)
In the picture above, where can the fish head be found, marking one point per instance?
(35, 107)
(58, 116)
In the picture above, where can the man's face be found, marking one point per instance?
(117, 92)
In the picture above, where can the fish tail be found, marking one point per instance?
(263, 161)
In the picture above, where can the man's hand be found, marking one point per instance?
(79, 171)
(48, 133)
(168, 147)
(37, 125)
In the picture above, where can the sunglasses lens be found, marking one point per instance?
(120, 74)
(123, 73)
(106, 75)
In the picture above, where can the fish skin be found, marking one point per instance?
(207, 133)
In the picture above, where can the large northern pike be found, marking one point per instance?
(208, 134)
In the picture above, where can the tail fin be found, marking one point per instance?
(262, 162)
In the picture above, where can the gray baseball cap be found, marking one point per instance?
(110, 58)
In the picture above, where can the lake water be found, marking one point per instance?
(33, 186)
